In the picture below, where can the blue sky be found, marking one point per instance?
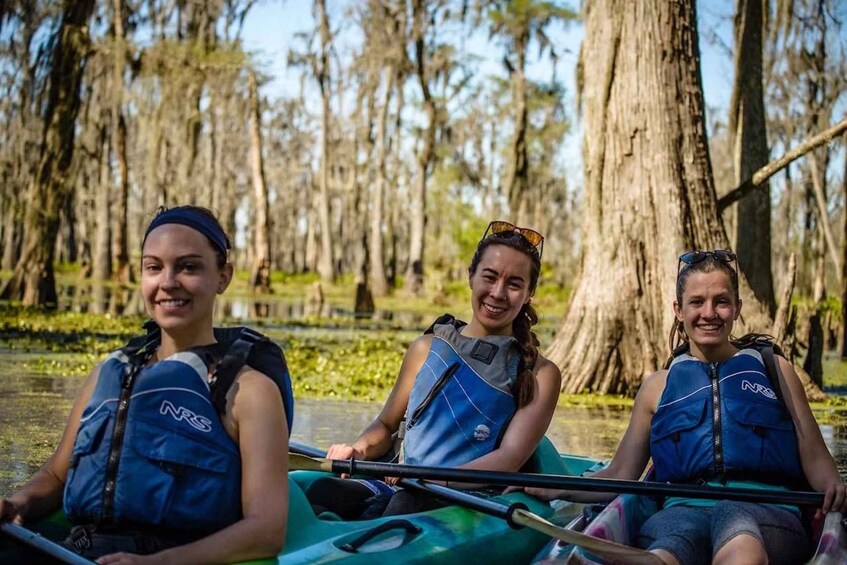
(271, 25)
(270, 29)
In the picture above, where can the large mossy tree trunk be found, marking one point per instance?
(649, 192)
(33, 280)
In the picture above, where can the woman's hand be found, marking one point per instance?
(344, 452)
(131, 559)
(834, 499)
(542, 493)
(10, 512)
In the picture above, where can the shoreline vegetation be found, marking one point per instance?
(337, 357)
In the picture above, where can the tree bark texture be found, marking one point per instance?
(33, 279)
(844, 268)
(120, 244)
(649, 192)
(747, 128)
(326, 260)
(518, 167)
(379, 282)
(260, 274)
(101, 253)
(414, 283)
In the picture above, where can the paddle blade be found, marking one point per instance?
(609, 551)
(297, 462)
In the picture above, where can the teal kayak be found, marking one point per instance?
(445, 535)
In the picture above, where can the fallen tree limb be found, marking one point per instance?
(762, 175)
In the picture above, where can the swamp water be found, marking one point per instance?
(34, 408)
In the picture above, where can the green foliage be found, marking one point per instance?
(64, 268)
(356, 367)
(467, 233)
(594, 399)
(834, 372)
(516, 17)
(30, 329)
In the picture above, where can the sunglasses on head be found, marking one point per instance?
(499, 227)
(693, 257)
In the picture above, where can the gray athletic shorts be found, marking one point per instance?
(694, 534)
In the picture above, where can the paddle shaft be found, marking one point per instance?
(516, 515)
(588, 484)
(42, 544)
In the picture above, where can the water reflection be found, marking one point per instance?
(584, 430)
(33, 410)
(121, 300)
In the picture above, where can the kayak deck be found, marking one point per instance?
(448, 534)
(445, 535)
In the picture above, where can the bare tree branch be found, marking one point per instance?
(766, 172)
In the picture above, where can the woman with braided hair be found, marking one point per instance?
(471, 396)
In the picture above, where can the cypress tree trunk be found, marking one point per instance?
(120, 245)
(747, 128)
(379, 283)
(260, 275)
(33, 279)
(414, 283)
(649, 192)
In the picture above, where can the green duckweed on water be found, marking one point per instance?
(328, 358)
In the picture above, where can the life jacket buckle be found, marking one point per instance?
(253, 336)
(80, 538)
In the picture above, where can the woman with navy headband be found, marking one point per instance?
(176, 447)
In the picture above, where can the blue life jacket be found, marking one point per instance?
(723, 421)
(151, 449)
(461, 402)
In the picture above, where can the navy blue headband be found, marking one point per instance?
(194, 220)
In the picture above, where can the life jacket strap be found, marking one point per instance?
(232, 362)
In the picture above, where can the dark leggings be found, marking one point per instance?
(91, 543)
(353, 500)
(92, 546)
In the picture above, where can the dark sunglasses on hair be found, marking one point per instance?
(534, 238)
(692, 257)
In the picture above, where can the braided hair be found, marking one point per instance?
(528, 343)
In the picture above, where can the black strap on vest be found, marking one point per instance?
(445, 319)
(769, 358)
(230, 357)
(228, 368)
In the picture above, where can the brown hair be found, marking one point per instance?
(522, 325)
(678, 340)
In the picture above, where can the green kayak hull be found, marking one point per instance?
(446, 535)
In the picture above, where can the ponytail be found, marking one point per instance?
(528, 344)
